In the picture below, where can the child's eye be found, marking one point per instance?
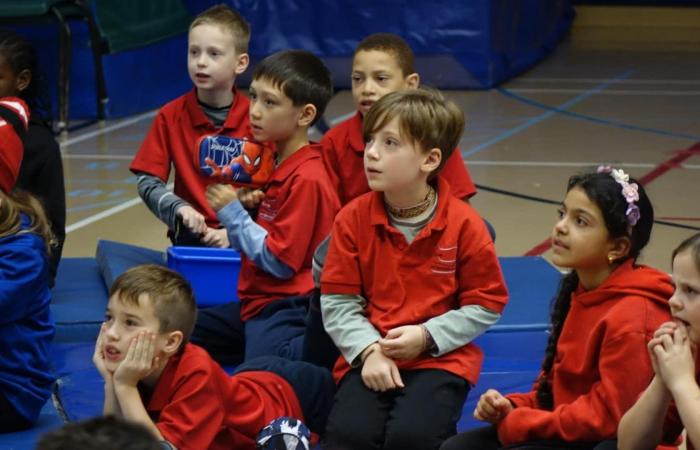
(252, 95)
(581, 222)
(356, 78)
(269, 102)
(690, 291)
(129, 323)
(108, 318)
(560, 213)
(382, 78)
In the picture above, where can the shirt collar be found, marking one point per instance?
(289, 165)
(355, 139)
(237, 115)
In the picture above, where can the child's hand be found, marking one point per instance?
(666, 329)
(250, 198)
(139, 361)
(675, 360)
(192, 219)
(220, 195)
(98, 357)
(380, 373)
(216, 237)
(406, 342)
(492, 407)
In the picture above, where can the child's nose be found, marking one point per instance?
(675, 302)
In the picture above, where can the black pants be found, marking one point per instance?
(313, 385)
(11, 420)
(486, 438)
(419, 416)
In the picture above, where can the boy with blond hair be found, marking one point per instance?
(216, 54)
(382, 63)
(411, 279)
(154, 377)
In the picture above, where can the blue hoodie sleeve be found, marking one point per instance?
(23, 275)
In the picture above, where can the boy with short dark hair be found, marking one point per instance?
(288, 94)
(411, 279)
(217, 53)
(154, 377)
(382, 63)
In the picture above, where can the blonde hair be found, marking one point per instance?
(424, 115)
(230, 20)
(13, 205)
(170, 294)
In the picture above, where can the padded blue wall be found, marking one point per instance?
(467, 44)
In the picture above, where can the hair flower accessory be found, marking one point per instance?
(630, 191)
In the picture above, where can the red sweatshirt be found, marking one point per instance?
(602, 364)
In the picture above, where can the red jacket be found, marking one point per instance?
(602, 364)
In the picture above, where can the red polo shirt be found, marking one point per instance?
(343, 153)
(173, 139)
(198, 406)
(297, 212)
(451, 263)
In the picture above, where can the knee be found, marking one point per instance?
(411, 437)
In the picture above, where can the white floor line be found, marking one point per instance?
(106, 157)
(107, 129)
(339, 119)
(106, 213)
(102, 215)
(605, 92)
(470, 162)
(600, 80)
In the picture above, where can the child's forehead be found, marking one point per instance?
(210, 33)
(141, 304)
(376, 59)
(267, 85)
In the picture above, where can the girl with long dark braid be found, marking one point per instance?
(607, 309)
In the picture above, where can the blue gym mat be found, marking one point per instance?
(513, 347)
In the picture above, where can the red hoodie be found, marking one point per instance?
(602, 364)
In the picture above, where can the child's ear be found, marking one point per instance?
(172, 342)
(23, 80)
(620, 248)
(242, 63)
(413, 81)
(432, 160)
(306, 115)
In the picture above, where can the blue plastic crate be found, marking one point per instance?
(212, 272)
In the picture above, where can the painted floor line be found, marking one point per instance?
(102, 157)
(547, 114)
(606, 92)
(656, 172)
(471, 162)
(102, 215)
(106, 213)
(594, 119)
(107, 129)
(600, 80)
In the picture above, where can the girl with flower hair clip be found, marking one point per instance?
(608, 307)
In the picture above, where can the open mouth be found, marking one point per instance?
(112, 353)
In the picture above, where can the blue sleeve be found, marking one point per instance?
(23, 275)
(248, 237)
